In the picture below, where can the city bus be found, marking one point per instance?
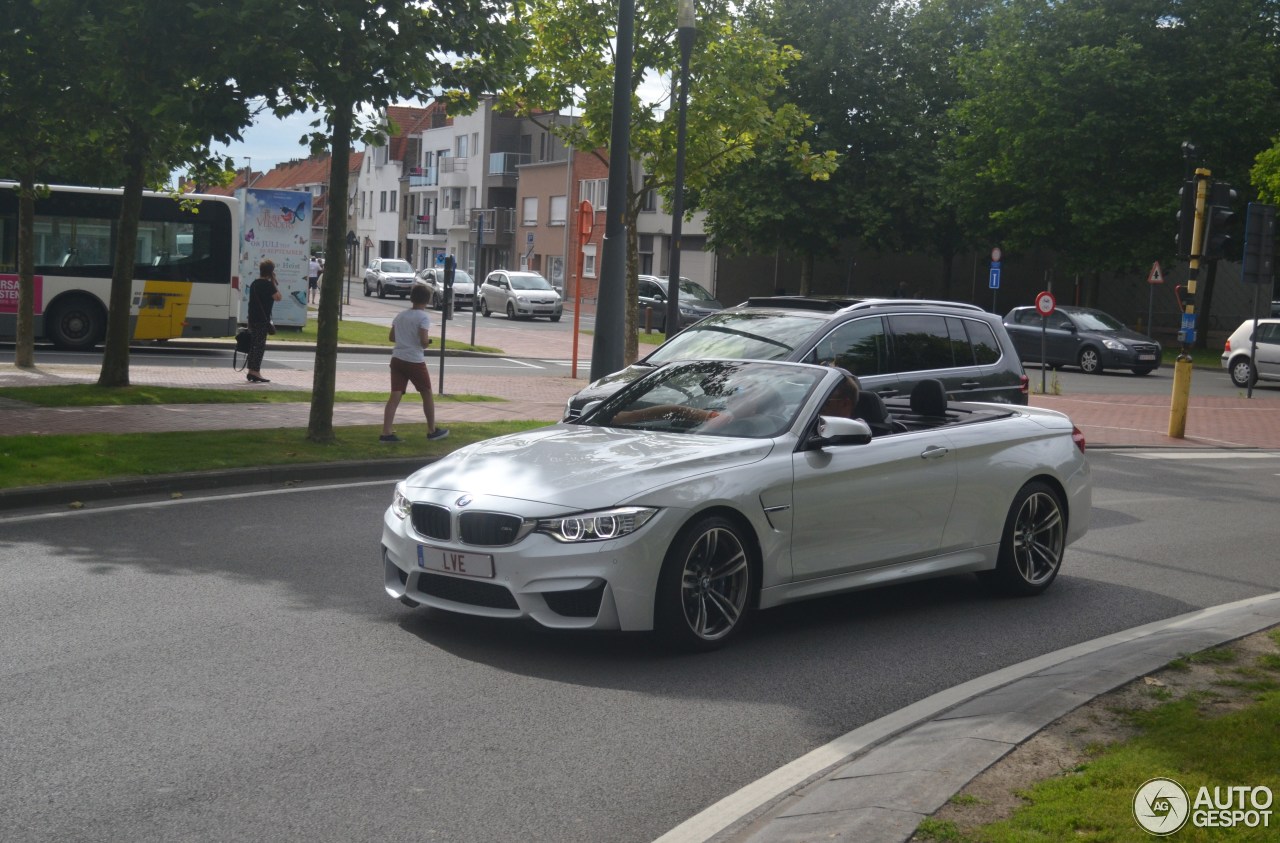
(185, 277)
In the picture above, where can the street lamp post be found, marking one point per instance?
(686, 29)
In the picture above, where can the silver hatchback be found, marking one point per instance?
(1238, 356)
(520, 295)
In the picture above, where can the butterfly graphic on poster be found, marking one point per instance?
(291, 214)
(248, 237)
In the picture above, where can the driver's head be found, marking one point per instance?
(843, 399)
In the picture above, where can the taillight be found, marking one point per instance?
(1226, 347)
(1023, 384)
(1077, 437)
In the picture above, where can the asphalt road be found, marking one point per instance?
(229, 668)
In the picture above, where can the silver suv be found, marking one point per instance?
(890, 344)
(388, 275)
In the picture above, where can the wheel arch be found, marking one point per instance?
(1058, 489)
(749, 535)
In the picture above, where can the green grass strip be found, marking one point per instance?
(67, 458)
(92, 395)
(355, 332)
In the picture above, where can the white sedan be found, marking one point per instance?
(708, 489)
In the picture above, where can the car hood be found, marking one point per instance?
(1128, 335)
(577, 467)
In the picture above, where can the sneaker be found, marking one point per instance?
(440, 433)
(389, 437)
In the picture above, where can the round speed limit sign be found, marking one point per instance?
(1045, 303)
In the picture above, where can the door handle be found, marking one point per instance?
(971, 384)
(934, 452)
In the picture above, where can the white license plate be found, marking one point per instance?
(452, 562)
(1146, 357)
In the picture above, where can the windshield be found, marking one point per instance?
(712, 398)
(692, 290)
(1095, 320)
(459, 277)
(529, 282)
(397, 266)
(739, 335)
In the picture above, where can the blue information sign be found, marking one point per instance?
(1187, 334)
(993, 280)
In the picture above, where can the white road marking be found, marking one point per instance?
(1200, 455)
(48, 516)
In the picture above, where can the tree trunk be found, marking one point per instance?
(806, 274)
(24, 354)
(948, 266)
(324, 379)
(115, 357)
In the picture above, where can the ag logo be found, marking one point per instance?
(1161, 806)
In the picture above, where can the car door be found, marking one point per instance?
(1023, 326)
(859, 507)
(652, 303)
(1268, 360)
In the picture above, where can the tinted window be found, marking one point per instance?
(920, 341)
(1269, 333)
(961, 351)
(1026, 316)
(740, 335)
(396, 266)
(529, 282)
(859, 346)
(1096, 320)
(983, 342)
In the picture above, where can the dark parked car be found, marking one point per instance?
(890, 344)
(1081, 336)
(695, 302)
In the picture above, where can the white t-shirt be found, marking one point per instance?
(408, 342)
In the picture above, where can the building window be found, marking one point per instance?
(393, 201)
(382, 201)
(595, 191)
(589, 260)
(461, 149)
(558, 208)
(529, 211)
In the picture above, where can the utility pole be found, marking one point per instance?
(1187, 333)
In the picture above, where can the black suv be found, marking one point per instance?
(890, 344)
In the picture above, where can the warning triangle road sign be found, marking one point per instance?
(1154, 277)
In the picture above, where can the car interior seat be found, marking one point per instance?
(870, 408)
(929, 398)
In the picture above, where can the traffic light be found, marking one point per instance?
(1259, 245)
(1186, 220)
(1219, 217)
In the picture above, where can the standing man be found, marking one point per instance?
(264, 292)
(313, 280)
(411, 332)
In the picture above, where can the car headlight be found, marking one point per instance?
(522, 299)
(400, 504)
(1115, 345)
(600, 525)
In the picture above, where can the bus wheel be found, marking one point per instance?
(77, 324)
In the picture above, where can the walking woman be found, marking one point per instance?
(264, 292)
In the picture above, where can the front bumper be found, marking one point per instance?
(1131, 359)
(591, 585)
(537, 309)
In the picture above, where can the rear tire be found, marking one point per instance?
(78, 323)
(1032, 543)
(704, 590)
(1242, 373)
(1090, 361)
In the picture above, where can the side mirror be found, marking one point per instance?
(587, 409)
(836, 430)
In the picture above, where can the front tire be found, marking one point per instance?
(1033, 542)
(704, 590)
(78, 323)
(484, 308)
(555, 318)
(382, 294)
(365, 284)
(1145, 370)
(1090, 361)
(1242, 373)
(511, 310)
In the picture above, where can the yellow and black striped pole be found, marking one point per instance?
(1182, 367)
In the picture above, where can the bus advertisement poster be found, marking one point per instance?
(9, 292)
(277, 226)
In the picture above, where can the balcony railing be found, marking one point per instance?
(424, 177)
(505, 163)
(453, 164)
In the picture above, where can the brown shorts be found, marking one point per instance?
(404, 373)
